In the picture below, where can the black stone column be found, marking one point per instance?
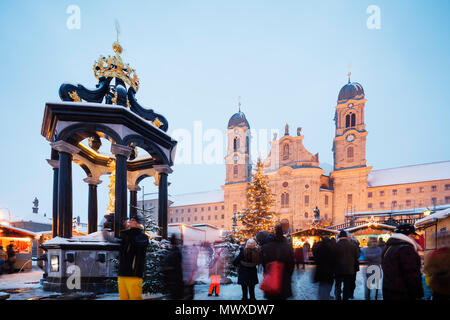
(162, 204)
(54, 162)
(92, 209)
(133, 200)
(92, 204)
(55, 203)
(65, 195)
(64, 216)
(120, 206)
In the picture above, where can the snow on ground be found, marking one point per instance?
(302, 286)
(26, 285)
(25, 279)
(23, 285)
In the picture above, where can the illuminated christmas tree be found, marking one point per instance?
(258, 216)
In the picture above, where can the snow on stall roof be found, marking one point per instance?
(28, 232)
(195, 198)
(410, 174)
(438, 215)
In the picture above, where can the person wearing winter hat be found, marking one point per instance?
(133, 247)
(401, 263)
(346, 254)
(246, 261)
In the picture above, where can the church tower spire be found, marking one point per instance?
(237, 159)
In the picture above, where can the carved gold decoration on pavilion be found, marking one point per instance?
(157, 123)
(111, 186)
(114, 100)
(74, 96)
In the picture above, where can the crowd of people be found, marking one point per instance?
(7, 258)
(393, 269)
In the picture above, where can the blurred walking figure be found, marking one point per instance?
(347, 254)
(278, 262)
(437, 270)
(246, 261)
(189, 269)
(133, 247)
(216, 270)
(381, 243)
(402, 279)
(299, 257)
(3, 258)
(173, 271)
(305, 248)
(373, 256)
(355, 242)
(325, 267)
(11, 252)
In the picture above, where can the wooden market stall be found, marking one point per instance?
(368, 230)
(311, 235)
(436, 228)
(22, 241)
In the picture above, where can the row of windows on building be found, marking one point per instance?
(202, 209)
(412, 203)
(285, 200)
(195, 218)
(395, 192)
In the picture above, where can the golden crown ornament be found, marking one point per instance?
(113, 66)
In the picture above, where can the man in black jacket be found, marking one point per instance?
(402, 279)
(325, 267)
(133, 247)
(346, 254)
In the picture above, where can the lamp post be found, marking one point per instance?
(234, 225)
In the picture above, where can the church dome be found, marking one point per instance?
(238, 120)
(351, 90)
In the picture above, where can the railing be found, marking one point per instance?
(389, 221)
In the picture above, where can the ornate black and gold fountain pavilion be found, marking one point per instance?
(75, 128)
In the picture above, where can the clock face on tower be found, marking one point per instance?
(350, 137)
(236, 131)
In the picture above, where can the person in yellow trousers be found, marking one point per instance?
(133, 247)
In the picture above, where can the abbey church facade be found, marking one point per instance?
(300, 185)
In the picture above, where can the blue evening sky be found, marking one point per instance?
(287, 59)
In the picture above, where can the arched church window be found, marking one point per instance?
(347, 121)
(350, 153)
(235, 144)
(353, 120)
(285, 152)
(306, 214)
(235, 170)
(285, 200)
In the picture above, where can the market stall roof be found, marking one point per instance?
(371, 225)
(314, 231)
(433, 218)
(16, 231)
(74, 232)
